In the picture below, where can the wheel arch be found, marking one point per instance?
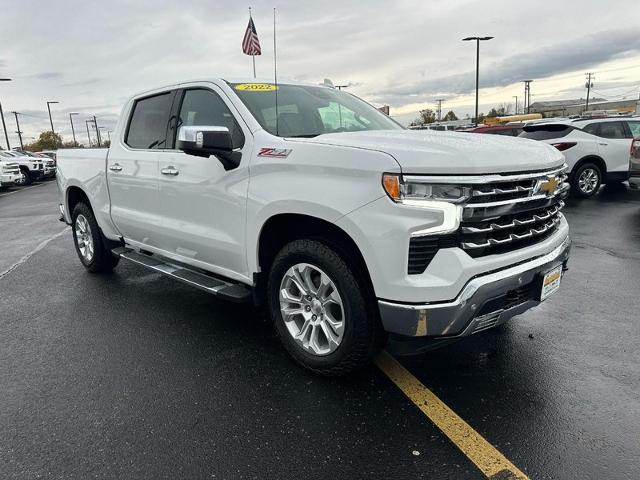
(75, 195)
(283, 228)
(595, 159)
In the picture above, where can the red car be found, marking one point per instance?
(508, 130)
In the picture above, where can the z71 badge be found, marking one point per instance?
(274, 152)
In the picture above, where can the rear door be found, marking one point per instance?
(614, 145)
(203, 205)
(132, 169)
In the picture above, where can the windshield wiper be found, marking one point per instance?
(306, 135)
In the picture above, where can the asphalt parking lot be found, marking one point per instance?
(133, 375)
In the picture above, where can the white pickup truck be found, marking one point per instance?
(309, 201)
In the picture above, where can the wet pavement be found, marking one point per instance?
(132, 375)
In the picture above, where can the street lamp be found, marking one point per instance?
(478, 40)
(6, 135)
(73, 132)
(51, 121)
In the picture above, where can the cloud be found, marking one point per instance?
(538, 62)
(46, 75)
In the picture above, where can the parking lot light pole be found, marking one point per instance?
(477, 40)
(73, 132)
(4, 126)
(50, 120)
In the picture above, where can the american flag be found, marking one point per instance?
(250, 42)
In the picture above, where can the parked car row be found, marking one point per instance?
(598, 150)
(19, 168)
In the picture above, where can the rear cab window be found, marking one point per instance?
(149, 122)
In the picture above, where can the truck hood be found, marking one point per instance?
(434, 152)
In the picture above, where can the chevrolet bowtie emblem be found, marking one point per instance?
(548, 186)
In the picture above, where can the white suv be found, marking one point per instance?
(597, 149)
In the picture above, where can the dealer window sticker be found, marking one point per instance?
(256, 87)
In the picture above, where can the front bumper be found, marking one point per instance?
(485, 301)
(7, 179)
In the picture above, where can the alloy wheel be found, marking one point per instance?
(84, 238)
(588, 180)
(312, 309)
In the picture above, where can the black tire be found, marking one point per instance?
(576, 190)
(27, 177)
(102, 260)
(363, 335)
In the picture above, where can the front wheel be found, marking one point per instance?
(586, 180)
(321, 312)
(90, 247)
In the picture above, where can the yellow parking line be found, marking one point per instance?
(485, 456)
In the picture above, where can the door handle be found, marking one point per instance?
(603, 144)
(115, 167)
(170, 171)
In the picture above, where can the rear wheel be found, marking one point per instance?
(90, 246)
(586, 180)
(320, 310)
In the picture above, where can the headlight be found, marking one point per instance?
(413, 192)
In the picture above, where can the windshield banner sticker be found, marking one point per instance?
(274, 152)
(256, 87)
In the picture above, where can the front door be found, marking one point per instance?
(203, 205)
(132, 169)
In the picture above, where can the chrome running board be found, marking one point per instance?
(226, 290)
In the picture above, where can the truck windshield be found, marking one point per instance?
(308, 111)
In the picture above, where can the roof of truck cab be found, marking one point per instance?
(234, 80)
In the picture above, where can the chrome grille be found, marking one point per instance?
(12, 168)
(502, 214)
(506, 215)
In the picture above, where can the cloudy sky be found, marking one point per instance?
(90, 56)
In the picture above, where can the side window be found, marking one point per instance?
(592, 128)
(203, 107)
(635, 129)
(148, 123)
(612, 130)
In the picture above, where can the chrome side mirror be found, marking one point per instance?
(203, 141)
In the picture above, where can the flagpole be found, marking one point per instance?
(253, 57)
(275, 67)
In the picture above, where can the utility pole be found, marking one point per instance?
(527, 95)
(478, 40)
(95, 123)
(18, 132)
(73, 132)
(516, 109)
(589, 85)
(88, 136)
(4, 126)
(440, 100)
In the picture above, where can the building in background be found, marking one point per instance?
(565, 108)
